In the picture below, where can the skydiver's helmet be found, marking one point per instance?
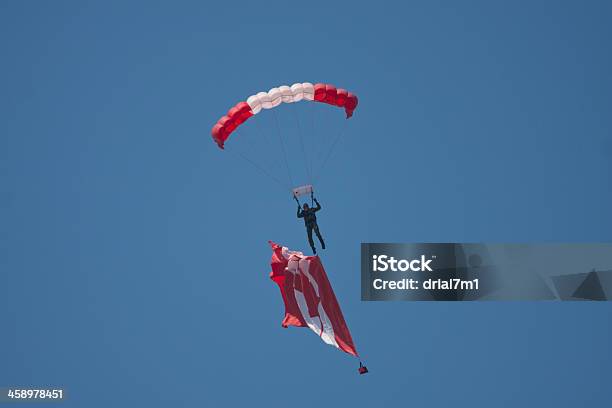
(305, 206)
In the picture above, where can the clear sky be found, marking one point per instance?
(133, 252)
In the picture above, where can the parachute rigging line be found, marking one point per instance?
(282, 147)
(312, 141)
(297, 122)
(250, 147)
(262, 170)
(330, 151)
(269, 143)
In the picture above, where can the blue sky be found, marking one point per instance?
(133, 252)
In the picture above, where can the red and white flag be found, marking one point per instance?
(309, 298)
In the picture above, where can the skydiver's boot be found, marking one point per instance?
(314, 250)
(322, 244)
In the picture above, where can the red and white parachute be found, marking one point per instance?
(297, 92)
(309, 298)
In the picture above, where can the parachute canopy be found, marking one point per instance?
(309, 298)
(297, 92)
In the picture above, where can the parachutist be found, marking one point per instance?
(310, 220)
